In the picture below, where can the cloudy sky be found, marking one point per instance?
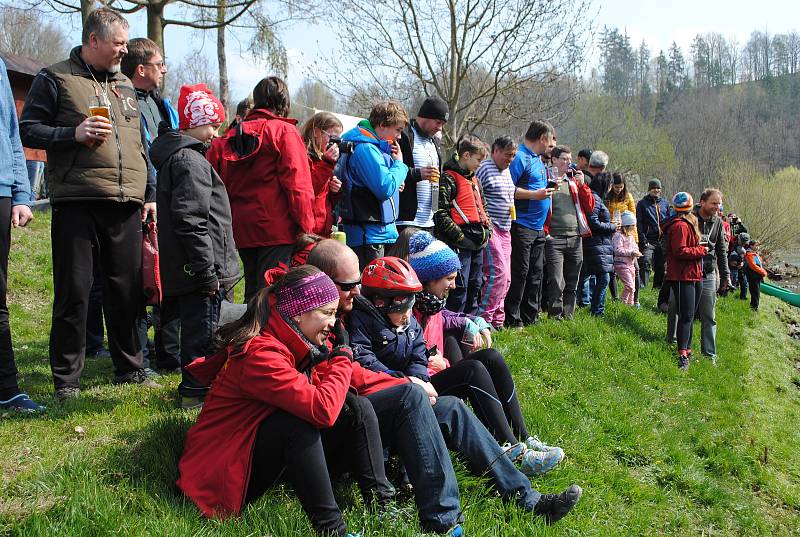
(657, 22)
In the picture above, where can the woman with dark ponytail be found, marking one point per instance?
(275, 408)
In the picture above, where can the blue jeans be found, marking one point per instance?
(407, 419)
(599, 293)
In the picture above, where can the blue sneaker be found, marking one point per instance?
(540, 462)
(515, 451)
(22, 403)
(535, 444)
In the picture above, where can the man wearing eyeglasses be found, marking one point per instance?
(146, 68)
(144, 65)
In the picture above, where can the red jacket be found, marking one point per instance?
(684, 253)
(247, 387)
(321, 173)
(270, 190)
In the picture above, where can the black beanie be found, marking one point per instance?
(434, 108)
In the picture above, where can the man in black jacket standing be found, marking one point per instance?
(198, 256)
(422, 154)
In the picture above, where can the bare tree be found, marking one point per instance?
(478, 55)
(28, 33)
(184, 12)
(194, 69)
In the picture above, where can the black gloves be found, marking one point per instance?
(340, 335)
(352, 408)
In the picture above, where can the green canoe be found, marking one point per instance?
(780, 292)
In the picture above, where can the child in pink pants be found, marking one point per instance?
(625, 253)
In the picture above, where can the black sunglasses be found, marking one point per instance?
(349, 286)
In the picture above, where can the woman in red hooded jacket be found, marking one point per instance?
(684, 255)
(264, 166)
(275, 408)
(318, 133)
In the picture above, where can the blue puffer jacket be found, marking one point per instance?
(371, 180)
(598, 252)
(380, 347)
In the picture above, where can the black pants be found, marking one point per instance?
(291, 448)
(8, 366)
(743, 283)
(524, 296)
(687, 299)
(197, 314)
(95, 329)
(166, 339)
(256, 261)
(116, 231)
(754, 285)
(368, 253)
(483, 379)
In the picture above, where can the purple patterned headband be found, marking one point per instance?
(307, 294)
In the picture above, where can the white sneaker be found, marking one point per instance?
(535, 444)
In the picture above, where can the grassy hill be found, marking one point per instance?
(658, 452)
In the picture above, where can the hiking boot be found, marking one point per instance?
(712, 357)
(535, 444)
(191, 403)
(136, 377)
(67, 392)
(514, 451)
(553, 507)
(540, 462)
(21, 403)
(683, 362)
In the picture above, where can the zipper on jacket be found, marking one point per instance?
(119, 153)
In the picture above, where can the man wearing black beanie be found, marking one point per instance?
(422, 154)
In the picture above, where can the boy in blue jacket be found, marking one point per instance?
(372, 177)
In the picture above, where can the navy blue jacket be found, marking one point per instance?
(598, 252)
(647, 223)
(379, 347)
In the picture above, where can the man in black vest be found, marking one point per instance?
(84, 112)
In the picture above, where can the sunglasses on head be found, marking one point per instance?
(349, 286)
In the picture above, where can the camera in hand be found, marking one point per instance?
(552, 184)
(570, 173)
(345, 147)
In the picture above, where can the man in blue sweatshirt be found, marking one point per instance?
(15, 198)
(532, 203)
(372, 177)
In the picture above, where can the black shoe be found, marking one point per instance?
(67, 392)
(136, 377)
(102, 352)
(514, 324)
(554, 507)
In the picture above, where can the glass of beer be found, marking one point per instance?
(99, 106)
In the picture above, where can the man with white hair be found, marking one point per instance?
(83, 112)
(598, 163)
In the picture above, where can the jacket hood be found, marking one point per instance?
(263, 113)
(671, 222)
(170, 142)
(362, 132)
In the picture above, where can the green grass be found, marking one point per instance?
(714, 452)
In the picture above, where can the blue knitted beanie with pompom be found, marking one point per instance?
(431, 259)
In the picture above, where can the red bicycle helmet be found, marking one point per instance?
(389, 277)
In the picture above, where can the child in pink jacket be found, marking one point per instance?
(625, 253)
